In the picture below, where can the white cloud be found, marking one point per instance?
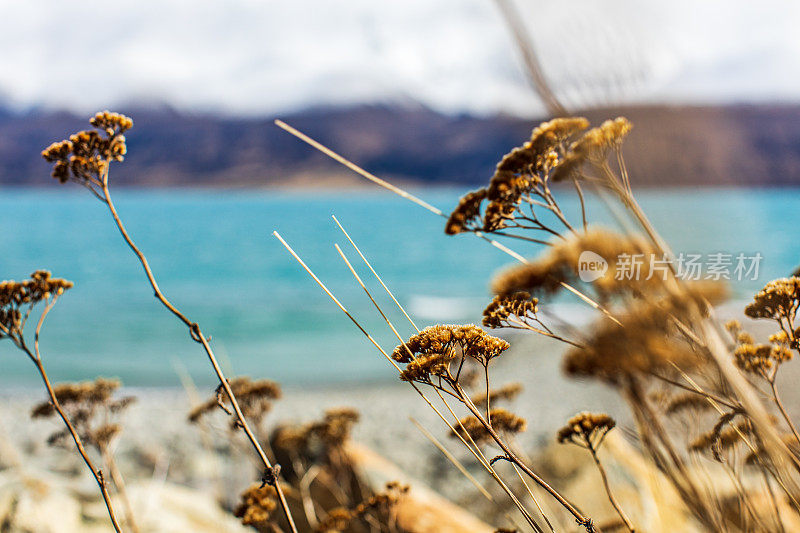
(267, 56)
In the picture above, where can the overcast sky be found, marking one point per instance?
(270, 56)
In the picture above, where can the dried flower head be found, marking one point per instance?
(640, 342)
(586, 429)
(429, 352)
(90, 407)
(335, 428)
(255, 399)
(503, 307)
(379, 504)
(502, 422)
(688, 401)
(715, 442)
(507, 392)
(593, 147)
(329, 433)
(85, 156)
(722, 437)
(779, 299)
(521, 175)
(17, 299)
(256, 505)
(733, 326)
(761, 358)
(466, 214)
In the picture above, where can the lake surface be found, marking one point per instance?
(215, 258)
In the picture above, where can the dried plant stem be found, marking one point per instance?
(96, 473)
(534, 68)
(507, 450)
(533, 498)
(119, 482)
(579, 190)
(358, 170)
(513, 458)
(473, 447)
(450, 457)
(713, 399)
(773, 500)
(198, 336)
(36, 357)
(607, 486)
(305, 491)
(460, 393)
(545, 333)
(476, 452)
(779, 404)
(374, 273)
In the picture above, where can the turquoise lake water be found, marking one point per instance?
(215, 257)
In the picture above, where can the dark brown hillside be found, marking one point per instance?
(670, 146)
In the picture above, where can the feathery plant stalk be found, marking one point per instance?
(17, 301)
(85, 158)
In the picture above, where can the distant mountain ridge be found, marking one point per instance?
(670, 146)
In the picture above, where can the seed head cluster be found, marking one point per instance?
(85, 156)
(256, 505)
(586, 429)
(90, 407)
(502, 422)
(779, 299)
(331, 432)
(505, 393)
(688, 401)
(593, 147)
(644, 340)
(429, 352)
(340, 518)
(255, 399)
(522, 173)
(16, 296)
(502, 307)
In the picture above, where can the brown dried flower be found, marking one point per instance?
(762, 358)
(521, 175)
(90, 407)
(331, 432)
(85, 156)
(466, 214)
(593, 147)
(502, 307)
(505, 393)
(17, 298)
(502, 421)
(586, 429)
(339, 519)
(255, 399)
(429, 352)
(641, 342)
(256, 505)
(687, 401)
(779, 299)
